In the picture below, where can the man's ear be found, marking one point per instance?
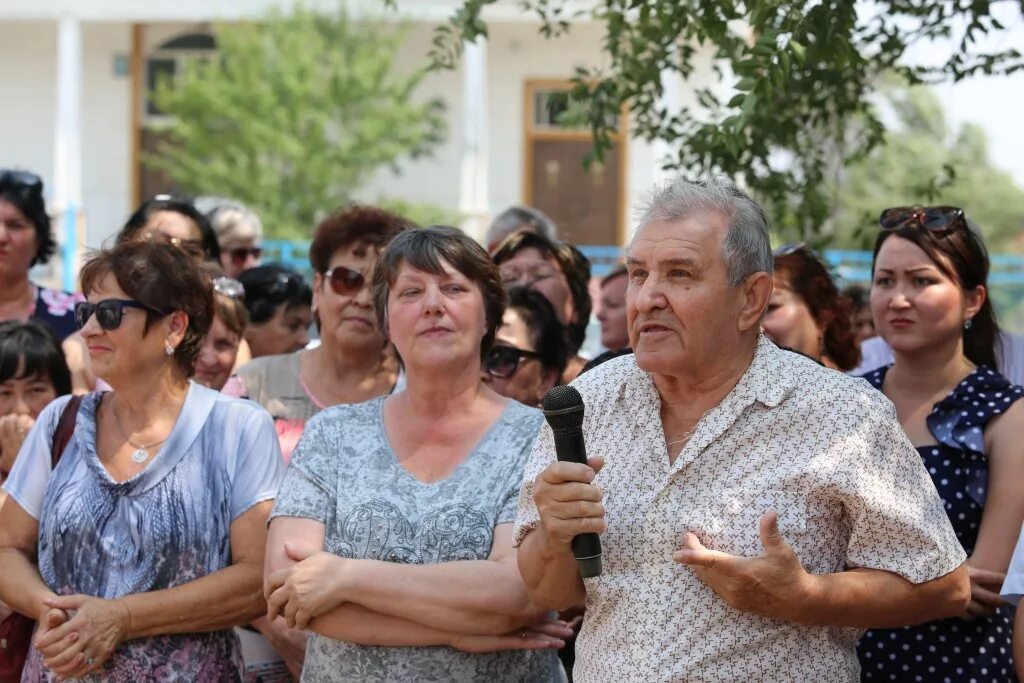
(756, 290)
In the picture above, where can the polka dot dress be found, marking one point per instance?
(952, 650)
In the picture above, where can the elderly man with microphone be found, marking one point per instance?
(754, 511)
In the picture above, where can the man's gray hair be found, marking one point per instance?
(746, 249)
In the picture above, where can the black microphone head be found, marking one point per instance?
(563, 407)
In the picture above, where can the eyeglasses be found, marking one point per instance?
(233, 289)
(193, 248)
(934, 218)
(345, 281)
(26, 179)
(239, 255)
(502, 361)
(109, 312)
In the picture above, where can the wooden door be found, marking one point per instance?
(586, 203)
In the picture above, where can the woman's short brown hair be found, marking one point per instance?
(356, 224)
(425, 249)
(808, 277)
(163, 278)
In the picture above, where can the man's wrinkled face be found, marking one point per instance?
(679, 304)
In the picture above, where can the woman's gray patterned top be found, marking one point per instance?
(344, 473)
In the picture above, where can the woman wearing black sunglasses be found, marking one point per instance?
(929, 299)
(143, 546)
(530, 349)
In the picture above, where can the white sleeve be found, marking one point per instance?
(31, 471)
(1013, 587)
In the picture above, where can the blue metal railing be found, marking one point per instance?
(848, 265)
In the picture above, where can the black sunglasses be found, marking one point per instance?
(239, 255)
(503, 361)
(109, 312)
(25, 179)
(345, 281)
(934, 218)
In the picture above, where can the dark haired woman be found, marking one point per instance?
(142, 548)
(929, 299)
(32, 373)
(530, 349)
(397, 512)
(279, 302)
(25, 240)
(173, 218)
(807, 313)
(561, 273)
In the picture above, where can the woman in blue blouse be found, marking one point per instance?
(929, 301)
(143, 546)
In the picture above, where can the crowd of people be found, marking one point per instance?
(217, 469)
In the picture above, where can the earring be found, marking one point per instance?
(169, 350)
(967, 324)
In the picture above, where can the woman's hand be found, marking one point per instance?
(86, 640)
(985, 587)
(287, 642)
(307, 589)
(13, 430)
(549, 634)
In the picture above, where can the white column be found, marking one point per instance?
(473, 192)
(672, 100)
(67, 167)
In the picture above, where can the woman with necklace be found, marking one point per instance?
(142, 548)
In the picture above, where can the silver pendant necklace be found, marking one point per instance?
(141, 453)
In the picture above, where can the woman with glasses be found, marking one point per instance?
(239, 234)
(279, 301)
(220, 348)
(174, 219)
(561, 273)
(807, 313)
(26, 239)
(353, 362)
(530, 349)
(142, 548)
(392, 540)
(929, 299)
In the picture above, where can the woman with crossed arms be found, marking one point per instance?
(392, 536)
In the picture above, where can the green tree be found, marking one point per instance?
(903, 169)
(804, 73)
(294, 115)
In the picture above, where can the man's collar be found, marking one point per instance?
(767, 380)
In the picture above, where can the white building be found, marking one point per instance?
(75, 76)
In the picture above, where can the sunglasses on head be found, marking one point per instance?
(109, 312)
(229, 287)
(239, 255)
(790, 248)
(934, 218)
(25, 179)
(502, 361)
(193, 248)
(345, 281)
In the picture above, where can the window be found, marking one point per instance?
(168, 60)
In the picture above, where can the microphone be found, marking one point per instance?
(563, 409)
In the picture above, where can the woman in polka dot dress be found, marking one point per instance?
(929, 301)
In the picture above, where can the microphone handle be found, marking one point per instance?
(586, 548)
